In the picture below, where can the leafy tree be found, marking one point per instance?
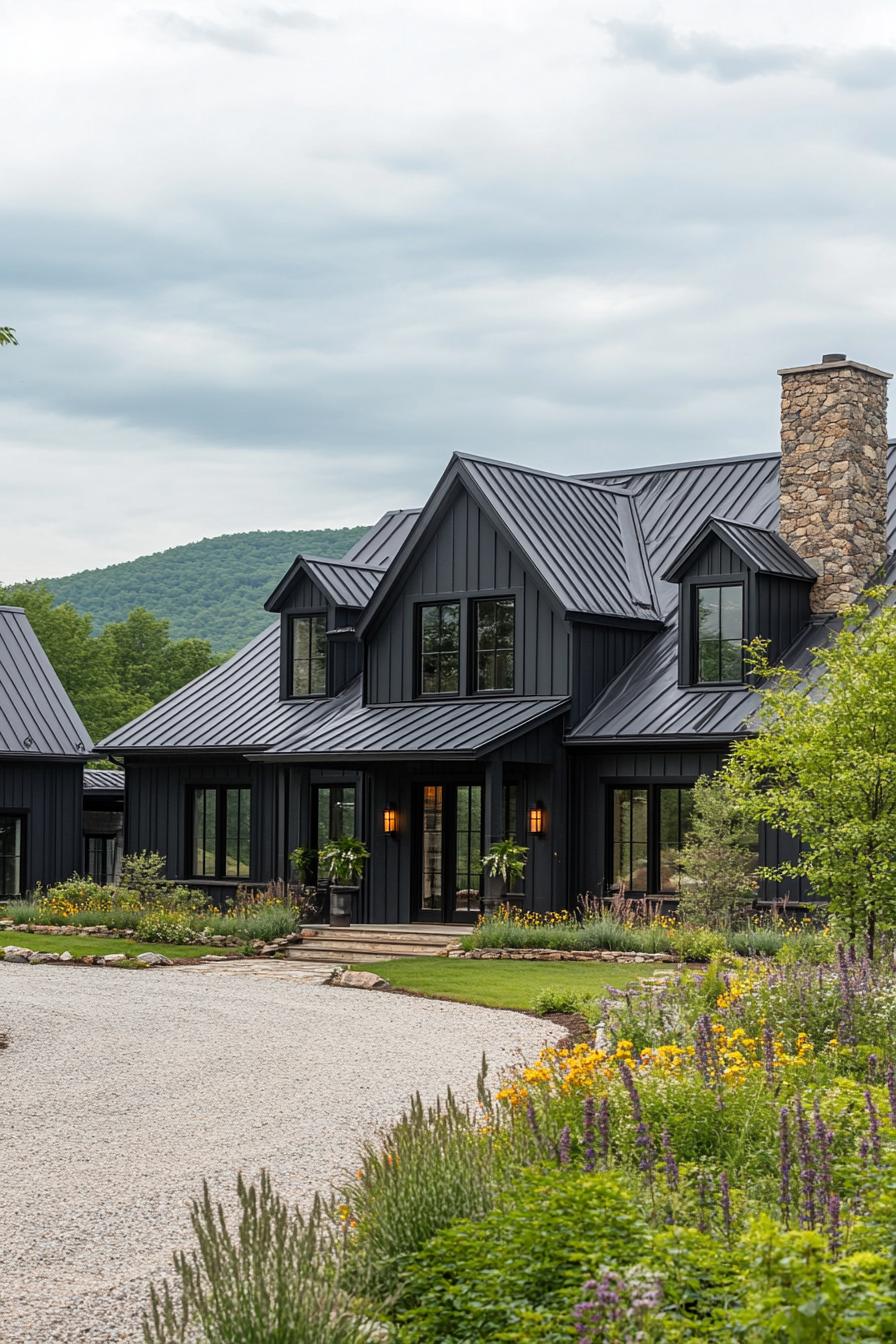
(8, 336)
(148, 664)
(822, 765)
(718, 858)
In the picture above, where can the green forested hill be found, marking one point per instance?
(212, 589)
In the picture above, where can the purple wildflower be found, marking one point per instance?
(669, 1160)
(873, 1128)
(872, 1068)
(823, 1140)
(834, 1224)
(846, 1030)
(786, 1161)
(704, 1190)
(588, 1134)
(646, 1148)
(891, 1091)
(628, 1083)
(532, 1119)
(603, 1129)
(563, 1147)
(768, 1052)
(864, 1150)
(807, 1165)
(725, 1195)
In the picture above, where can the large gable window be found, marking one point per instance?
(11, 840)
(221, 830)
(309, 655)
(439, 648)
(719, 633)
(494, 644)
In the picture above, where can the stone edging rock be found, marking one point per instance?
(36, 958)
(548, 954)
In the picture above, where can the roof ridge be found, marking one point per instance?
(684, 466)
(347, 564)
(539, 471)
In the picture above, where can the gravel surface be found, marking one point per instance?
(123, 1089)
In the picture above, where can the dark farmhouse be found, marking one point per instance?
(549, 657)
(43, 747)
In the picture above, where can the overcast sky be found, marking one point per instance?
(270, 265)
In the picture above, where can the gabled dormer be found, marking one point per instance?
(320, 602)
(509, 582)
(736, 583)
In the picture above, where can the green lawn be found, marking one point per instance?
(501, 984)
(87, 945)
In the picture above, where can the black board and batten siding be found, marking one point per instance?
(464, 557)
(48, 796)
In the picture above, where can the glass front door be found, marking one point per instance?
(451, 852)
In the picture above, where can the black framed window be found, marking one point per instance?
(101, 858)
(674, 808)
(309, 656)
(221, 832)
(629, 839)
(439, 648)
(12, 842)
(718, 633)
(648, 826)
(335, 812)
(494, 643)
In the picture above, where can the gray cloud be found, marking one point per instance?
(251, 36)
(660, 46)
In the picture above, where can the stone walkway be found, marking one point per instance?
(299, 972)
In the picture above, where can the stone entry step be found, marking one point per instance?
(372, 942)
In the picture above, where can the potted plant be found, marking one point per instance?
(504, 865)
(344, 859)
(302, 861)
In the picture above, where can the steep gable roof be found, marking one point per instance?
(37, 718)
(762, 550)
(345, 583)
(582, 541)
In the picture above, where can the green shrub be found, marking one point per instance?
(433, 1167)
(694, 944)
(143, 886)
(275, 1280)
(558, 1000)
(262, 921)
(515, 1274)
(25, 912)
(756, 940)
(165, 926)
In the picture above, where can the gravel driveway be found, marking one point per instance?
(121, 1090)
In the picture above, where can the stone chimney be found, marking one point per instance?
(833, 480)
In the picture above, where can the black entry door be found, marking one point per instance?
(450, 852)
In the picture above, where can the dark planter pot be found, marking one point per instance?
(492, 895)
(515, 899)
(341, 899)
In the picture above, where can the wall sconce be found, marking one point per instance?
(390, 820)
(536, 819)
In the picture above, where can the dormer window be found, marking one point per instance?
(309, 656)
(718, 624)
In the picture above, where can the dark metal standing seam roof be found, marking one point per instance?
(346, 583)
(451, 728)
(584, 540)
(103, 781)
(382, 543)
(765, 552)
(36, 716)
(674, 501)
(233, 707)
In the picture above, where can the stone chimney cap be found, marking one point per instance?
(829, 362)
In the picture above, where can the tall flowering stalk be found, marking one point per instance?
(807, 1165)
(891, 1092)
(590, 1156)
(873, 1128)
(725, 1199)
(834, 1224)
(824, 1137)
(671, 1166)
(563, 1146)
(785, 1160)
